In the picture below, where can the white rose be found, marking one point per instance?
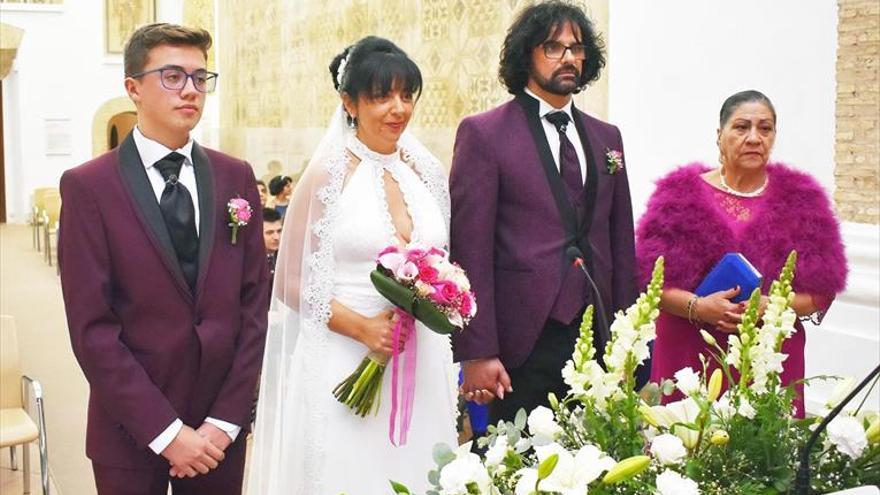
(542, 425)
(687, 381)
(668, 449)
(672, 483)
(464, 470)
(847, 434)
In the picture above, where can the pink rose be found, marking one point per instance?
(446, 291)
(438, 252)
(244, 214)
(467, 303)
(428, 274)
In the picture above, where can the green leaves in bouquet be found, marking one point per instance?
(406, 299)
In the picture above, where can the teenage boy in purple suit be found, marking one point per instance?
(533, 190)
(167, 315)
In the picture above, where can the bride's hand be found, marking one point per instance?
(377, 333)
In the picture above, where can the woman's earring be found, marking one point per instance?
(352, 123)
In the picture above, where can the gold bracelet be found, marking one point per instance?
(692, 310)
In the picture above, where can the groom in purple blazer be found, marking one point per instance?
(535, 188)
(167, 315)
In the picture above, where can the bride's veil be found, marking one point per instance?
(300, 308)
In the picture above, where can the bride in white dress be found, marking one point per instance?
(369, 185)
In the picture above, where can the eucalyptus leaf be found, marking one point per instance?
(442, 454)
(520, 420)
(434, 477)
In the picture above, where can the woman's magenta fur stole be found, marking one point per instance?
(683, 224)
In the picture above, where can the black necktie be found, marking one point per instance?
(569, 166)
(180, 217)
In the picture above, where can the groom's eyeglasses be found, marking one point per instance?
(556, 50)
(174, 78)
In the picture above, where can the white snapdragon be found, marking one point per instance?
(745, 409)
(668, 449)
(542, 425)
(671, 483)
(848, 435)
(687, 381)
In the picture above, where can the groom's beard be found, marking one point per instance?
(558, 84)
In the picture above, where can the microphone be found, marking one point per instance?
(802, 481)
(577, 258)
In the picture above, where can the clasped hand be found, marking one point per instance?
(194, 452)
(484, 380)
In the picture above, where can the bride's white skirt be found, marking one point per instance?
(326, 449)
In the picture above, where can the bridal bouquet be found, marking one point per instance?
(426, 286)
(603, 438)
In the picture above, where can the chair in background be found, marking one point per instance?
(16, 425)
(51, 214)
(38, 206)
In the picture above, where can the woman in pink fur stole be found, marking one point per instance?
(763, 210)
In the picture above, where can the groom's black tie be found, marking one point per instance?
(180, 217)
(569, 167)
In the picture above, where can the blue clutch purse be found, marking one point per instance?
(733, 269)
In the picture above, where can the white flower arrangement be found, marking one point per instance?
(743, 441)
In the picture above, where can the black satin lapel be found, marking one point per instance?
(207, 220)
(591, 186)
(554, 178)
(134, 175)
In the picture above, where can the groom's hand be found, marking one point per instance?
(190, 454)
(211, 433)
(484, 379)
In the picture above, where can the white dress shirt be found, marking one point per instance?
(151, 152)
(553, 135)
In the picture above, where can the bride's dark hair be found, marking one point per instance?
(373, 66)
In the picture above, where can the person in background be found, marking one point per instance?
(281, 187)
(748, 205)
(265, 199)
(272, 239)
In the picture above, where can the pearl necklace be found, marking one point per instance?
(750, 194)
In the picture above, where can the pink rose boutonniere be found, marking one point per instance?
(240, 212)
(613, 161)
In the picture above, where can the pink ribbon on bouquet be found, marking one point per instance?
(406, 326)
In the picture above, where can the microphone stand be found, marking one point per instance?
(802, 481)
(577, 258)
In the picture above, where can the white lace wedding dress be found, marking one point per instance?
(320, 447)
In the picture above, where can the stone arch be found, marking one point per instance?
(118, 112)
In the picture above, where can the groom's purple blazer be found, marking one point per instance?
(508, 233)
(152, 351)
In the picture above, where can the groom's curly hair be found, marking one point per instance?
(535, 25)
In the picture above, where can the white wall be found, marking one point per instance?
(61, 71)
(671, 66)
